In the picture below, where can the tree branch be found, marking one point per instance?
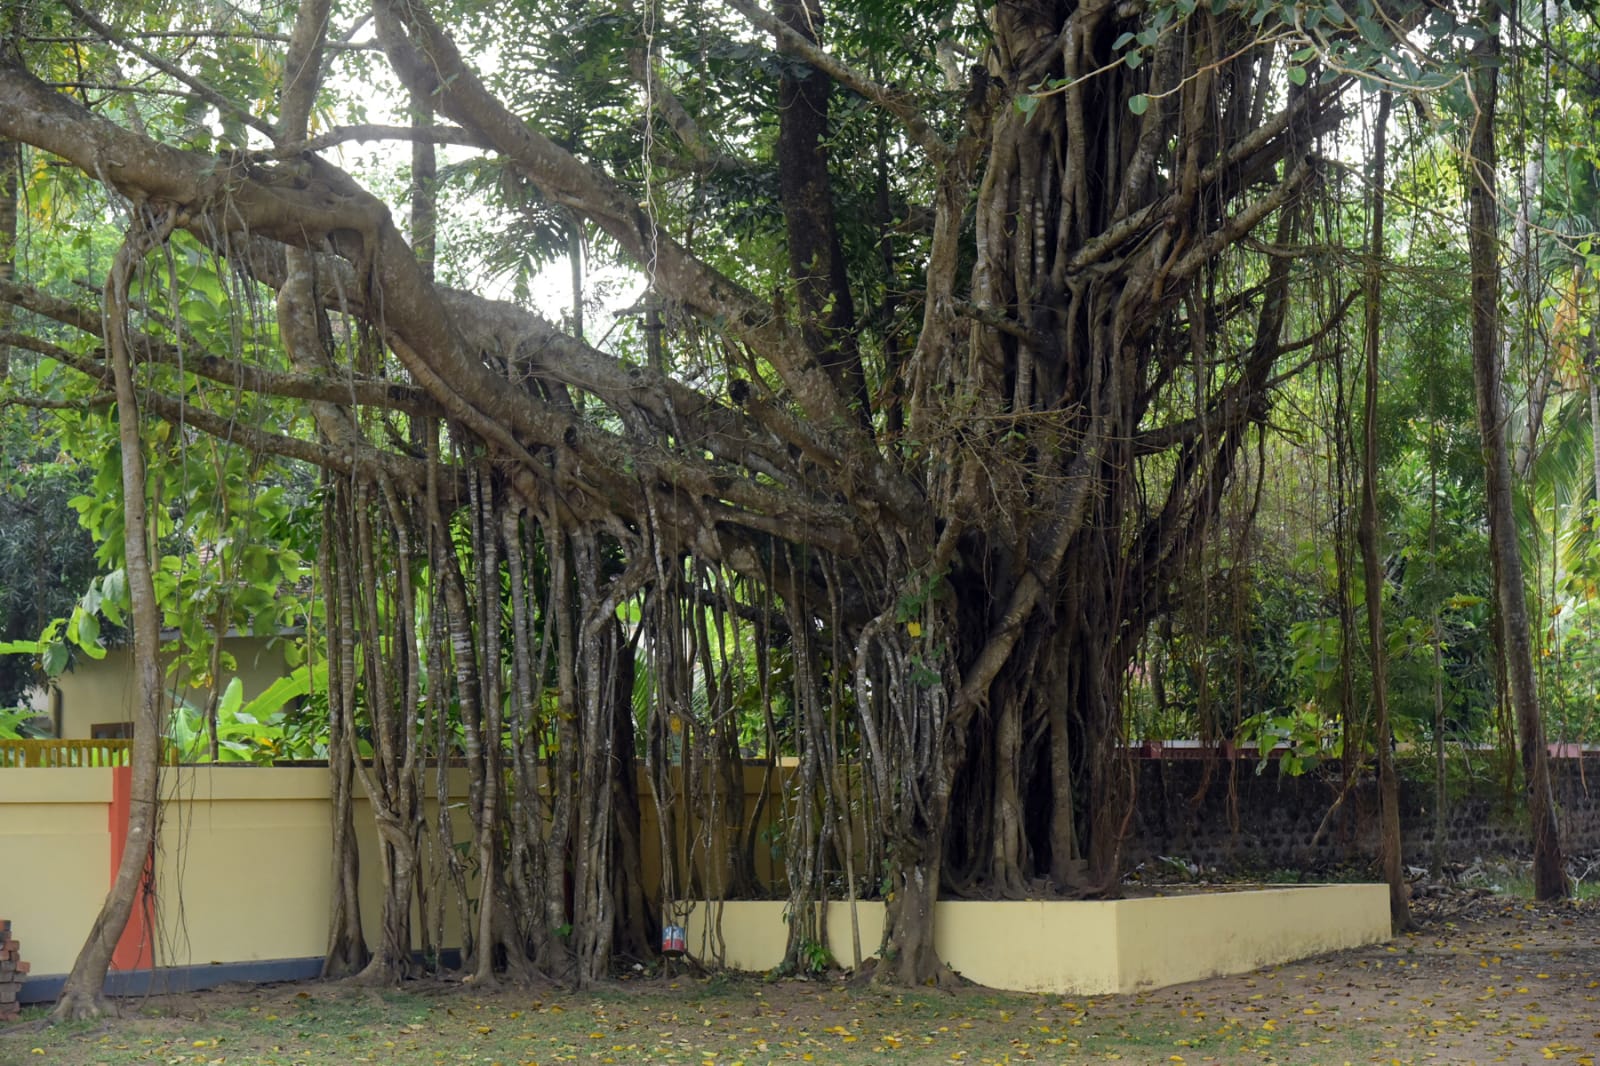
(373, 131)
(902, 107)
(428, 61)
(206, 92)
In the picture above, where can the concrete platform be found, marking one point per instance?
(1089, 947)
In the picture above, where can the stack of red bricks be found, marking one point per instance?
(12, 970)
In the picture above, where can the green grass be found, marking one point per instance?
(722, 1023)
(1519, 885)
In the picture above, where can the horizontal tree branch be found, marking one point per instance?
(374, 131)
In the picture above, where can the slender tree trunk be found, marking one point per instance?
(83, 994)
(1521, 303)
(1372, 563)
(347, 951)
(1591, 366)
(10, 185)
(1549, 876)
(10, 168)
(1354, 734)
(1436, 638)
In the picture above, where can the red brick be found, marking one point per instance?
(24, 967)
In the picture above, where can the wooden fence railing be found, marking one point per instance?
(68, 753)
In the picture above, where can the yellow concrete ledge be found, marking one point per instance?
(1080, 948)
(239, 783)
(38, 786)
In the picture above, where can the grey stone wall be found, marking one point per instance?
(1218, 812)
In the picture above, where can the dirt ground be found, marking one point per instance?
(1483, 980)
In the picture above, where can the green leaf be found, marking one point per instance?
(1139, 104)
(89, 635)
(232, 699)
(285, 689)
(54, 659)
(1297, 75)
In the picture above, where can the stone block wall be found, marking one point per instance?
(1218, 812)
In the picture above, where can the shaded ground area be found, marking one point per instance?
(1485, 980)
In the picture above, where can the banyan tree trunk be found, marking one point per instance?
(82, 995)
(1102, 207)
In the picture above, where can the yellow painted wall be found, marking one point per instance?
(746, 935)
(1082, 947)
(97, 691)
(1189, 937)
(244, 866)
(1032, 946)
(56, 859)
(244, 874)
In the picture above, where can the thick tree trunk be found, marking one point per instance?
(347, 951)
(1549, 875)
(389, 781)
(1371, 556)
(637, 925)
(909, 956)
(816, 257)
(82, 996)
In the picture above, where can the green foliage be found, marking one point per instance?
(815, 957)
(263, 730)
(1253, 643)
(14, 723)
(46, 561)
(1306, 737)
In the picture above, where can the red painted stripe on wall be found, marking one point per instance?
(133, 950)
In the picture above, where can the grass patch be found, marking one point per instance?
(728, 1022)
(1516, 881)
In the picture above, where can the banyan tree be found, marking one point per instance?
(954, 332)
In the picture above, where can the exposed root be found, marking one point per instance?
(76, 1007)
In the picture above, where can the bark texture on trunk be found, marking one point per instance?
(10, 166)
(82, 996)
(1549, 873)
(1371, 549)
